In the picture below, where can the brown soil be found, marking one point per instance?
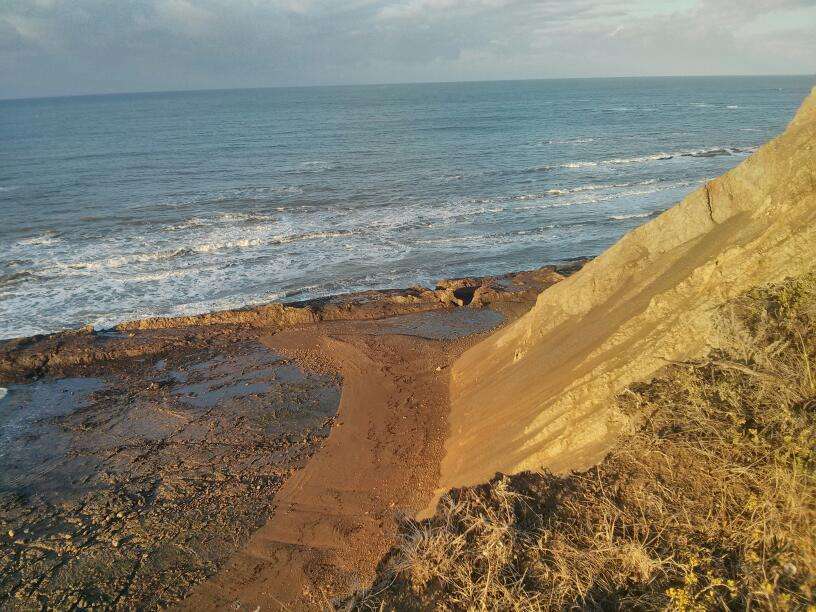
(334, 519)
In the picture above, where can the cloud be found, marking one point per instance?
(79, 46)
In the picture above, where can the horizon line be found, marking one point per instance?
(397, 83)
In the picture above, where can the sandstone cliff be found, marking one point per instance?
(539, 393)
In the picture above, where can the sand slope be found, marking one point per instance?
(538, 392)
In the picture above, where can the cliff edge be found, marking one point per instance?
(538, 393)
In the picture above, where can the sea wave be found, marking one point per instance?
(261, 193)
(310, 236)
(226, 218)
(568, 141)
(315, 166)
(568, 191)
(14, 278)
(197, 249)
(661, 156)
(632, 216)
(46, 238)
(580, 164)
(595, 199)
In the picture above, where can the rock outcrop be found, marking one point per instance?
(539, 393)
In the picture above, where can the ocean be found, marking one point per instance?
(119, 207)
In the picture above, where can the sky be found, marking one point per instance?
(67, 47)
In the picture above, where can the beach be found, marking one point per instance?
(308, 453)
(226, 459)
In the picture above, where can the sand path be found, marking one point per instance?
(334, 519)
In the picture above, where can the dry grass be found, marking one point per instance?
(710, 502)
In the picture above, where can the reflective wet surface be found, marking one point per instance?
(135, 485)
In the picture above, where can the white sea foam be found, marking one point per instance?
(569, 141)
(595, 199)
(640, 159)
(136, 258)
(49, 237)
(579, 189)
(579, 164)
(316, 166)
(631, 216)
(159, 276)
(660, 156)
(286, 239)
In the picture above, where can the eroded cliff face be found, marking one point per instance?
(539, 393)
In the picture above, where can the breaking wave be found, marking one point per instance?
(661, 156)
(205, 248)
(644, 215)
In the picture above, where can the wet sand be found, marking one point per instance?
(249, 458)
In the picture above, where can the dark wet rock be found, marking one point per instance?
(128, 490)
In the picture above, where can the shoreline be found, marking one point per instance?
(26, 356)
(285, 310)
(277, 445)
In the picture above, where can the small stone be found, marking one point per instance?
(11, 533)
(115, 543)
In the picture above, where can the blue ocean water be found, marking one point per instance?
(123, 206)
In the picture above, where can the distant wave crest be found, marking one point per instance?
(643, 215)
(661, 156)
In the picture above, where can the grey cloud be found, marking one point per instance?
(78, 46)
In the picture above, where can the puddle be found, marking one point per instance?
(443, 325)
(32, 444)
(258, 376)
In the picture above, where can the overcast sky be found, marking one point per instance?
(53, 47)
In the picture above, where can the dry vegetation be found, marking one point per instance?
(709, 503)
